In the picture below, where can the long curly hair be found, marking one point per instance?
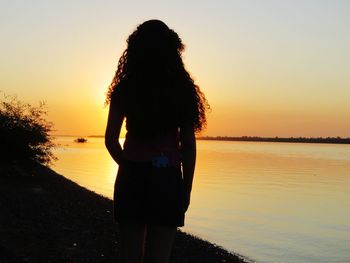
(152, 86)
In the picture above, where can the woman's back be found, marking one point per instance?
(146, 149)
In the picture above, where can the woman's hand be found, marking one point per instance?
(186, 195)
(188, 151)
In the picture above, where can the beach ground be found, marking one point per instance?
(45, 217)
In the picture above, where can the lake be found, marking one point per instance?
(270, 202)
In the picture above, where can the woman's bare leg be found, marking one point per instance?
(132, 242)
(159, 243)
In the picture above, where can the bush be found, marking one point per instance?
(24, 133)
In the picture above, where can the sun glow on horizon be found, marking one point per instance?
(267, 69)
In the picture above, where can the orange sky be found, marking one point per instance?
(277, 68)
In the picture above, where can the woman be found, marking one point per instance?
(163, 109)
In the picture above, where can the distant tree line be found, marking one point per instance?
(279, 139)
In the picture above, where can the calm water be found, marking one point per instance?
(271, 202)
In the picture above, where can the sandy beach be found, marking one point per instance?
(48, 218)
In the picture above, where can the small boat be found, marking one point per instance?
(80, 140)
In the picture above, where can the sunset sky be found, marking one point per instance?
(268, 68)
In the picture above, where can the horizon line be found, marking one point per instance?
(224, 136)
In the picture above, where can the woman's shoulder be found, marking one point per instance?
(120, 90)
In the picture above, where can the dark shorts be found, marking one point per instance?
(144, 194)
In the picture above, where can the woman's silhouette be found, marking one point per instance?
(163, 110)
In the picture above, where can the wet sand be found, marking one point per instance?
(45, 217)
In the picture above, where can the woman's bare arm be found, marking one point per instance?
(188, 150)
(114, 124)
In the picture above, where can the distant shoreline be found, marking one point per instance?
(331, 140)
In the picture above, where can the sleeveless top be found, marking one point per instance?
(145, 149)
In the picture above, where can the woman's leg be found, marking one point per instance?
(159, 243)
(132, 242)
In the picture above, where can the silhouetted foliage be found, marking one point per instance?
(24, 133)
